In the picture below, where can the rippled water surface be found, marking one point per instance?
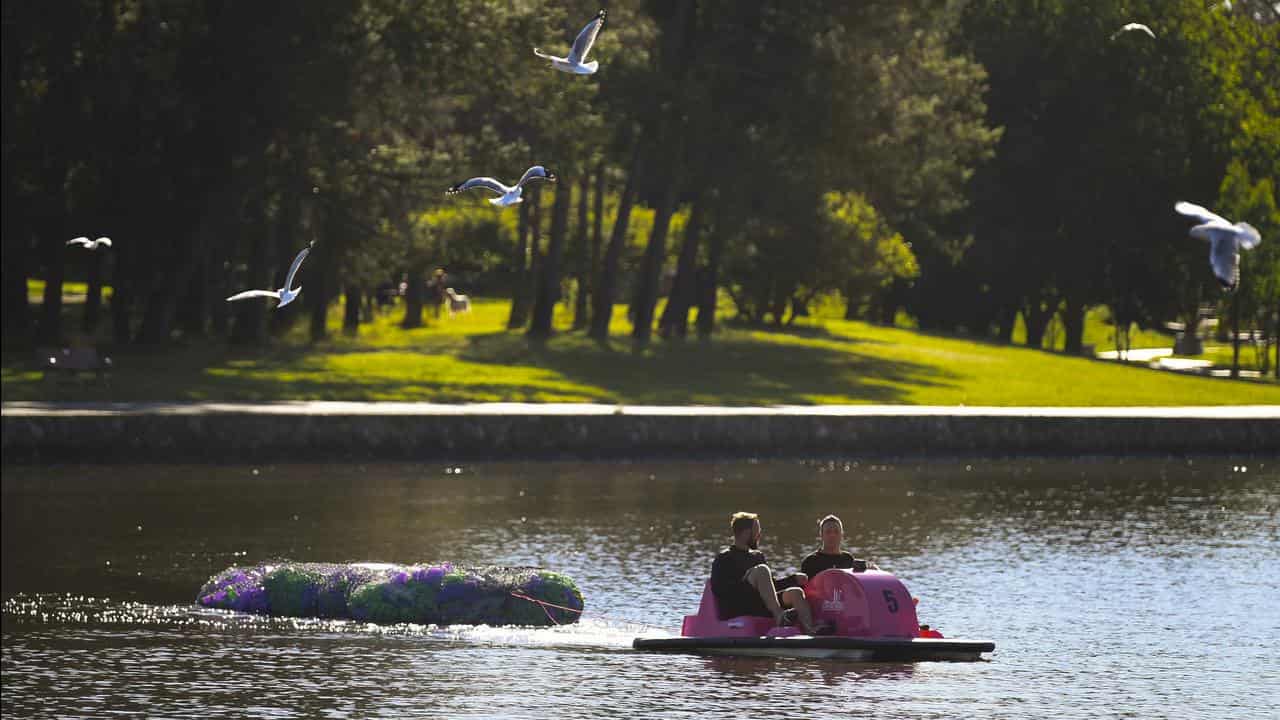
(1141, 589)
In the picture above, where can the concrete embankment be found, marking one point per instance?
(312, 431)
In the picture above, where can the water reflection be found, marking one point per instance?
(761, 671)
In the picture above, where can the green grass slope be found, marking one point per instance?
(468, 359)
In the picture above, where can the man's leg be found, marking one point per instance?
(794, 597)
(761, 578)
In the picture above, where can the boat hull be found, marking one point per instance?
(826, 647)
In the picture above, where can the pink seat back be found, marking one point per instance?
(707, 622)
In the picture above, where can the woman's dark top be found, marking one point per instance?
(735, 596)
(817, 561)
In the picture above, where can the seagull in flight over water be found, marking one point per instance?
(575, 63)
(1129, 27)
(508, 194)
(1225, 241)
(90, 244)
(285, 295)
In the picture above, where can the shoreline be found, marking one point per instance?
(36, 432)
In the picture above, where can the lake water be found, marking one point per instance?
(1111, 588)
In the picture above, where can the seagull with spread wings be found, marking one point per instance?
(507, 194)
(576, 62)
(1226, 240)
(285, 294)
(88, 244)
(1130, 27)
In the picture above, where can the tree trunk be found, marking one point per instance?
(1037, 315)
(597, 239)
(14, 238)
(852, 301)
(1073, 325)
(219, 289)
(251, 316)
(1007, 319)
(351, 311)
(655, 255)
(679, 45)
(51, 307)
(151, 327)
(684, 289)
(413, 293)
(519, 293)
(1235, 333)
(122, 296)
(547, 292)
(415, 273)
(93, 293)
(602, 312)
(191, 311)
(536, 256)
(887, 302)
(318, 284)
(155, 326)
(319, 313)
(582, 257)
(13, 268)
(708, 284)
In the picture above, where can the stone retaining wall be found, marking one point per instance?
(192, 433)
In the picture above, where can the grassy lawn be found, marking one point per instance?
(1098, 332)
(471, 359)
(1220, 355)
(72, 292)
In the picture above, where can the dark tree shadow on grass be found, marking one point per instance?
(730, 371)
(808, 332)
(734, 370)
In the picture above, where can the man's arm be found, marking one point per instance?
(790, 581)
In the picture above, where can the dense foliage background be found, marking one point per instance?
(964, 162)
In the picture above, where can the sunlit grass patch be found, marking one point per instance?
(72, 292)
(473, 358)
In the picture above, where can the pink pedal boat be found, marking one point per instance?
(873, 614)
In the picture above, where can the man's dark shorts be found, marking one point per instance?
(744, 601)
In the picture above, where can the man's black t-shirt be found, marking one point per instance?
(733, 594)
(817, 561)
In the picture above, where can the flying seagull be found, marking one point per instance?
(90, 244)
(509, 195)
(1225, 241)
(285, 295)
(578, 54)
(1129, 27)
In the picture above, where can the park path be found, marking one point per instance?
(321, 408)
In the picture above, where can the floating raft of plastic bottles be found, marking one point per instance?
(380, 593)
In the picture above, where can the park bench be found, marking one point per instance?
(72, 361)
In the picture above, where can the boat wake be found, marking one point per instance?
(54, 610)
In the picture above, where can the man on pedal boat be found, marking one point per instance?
(744, 585)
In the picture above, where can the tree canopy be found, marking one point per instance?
(967, 162)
